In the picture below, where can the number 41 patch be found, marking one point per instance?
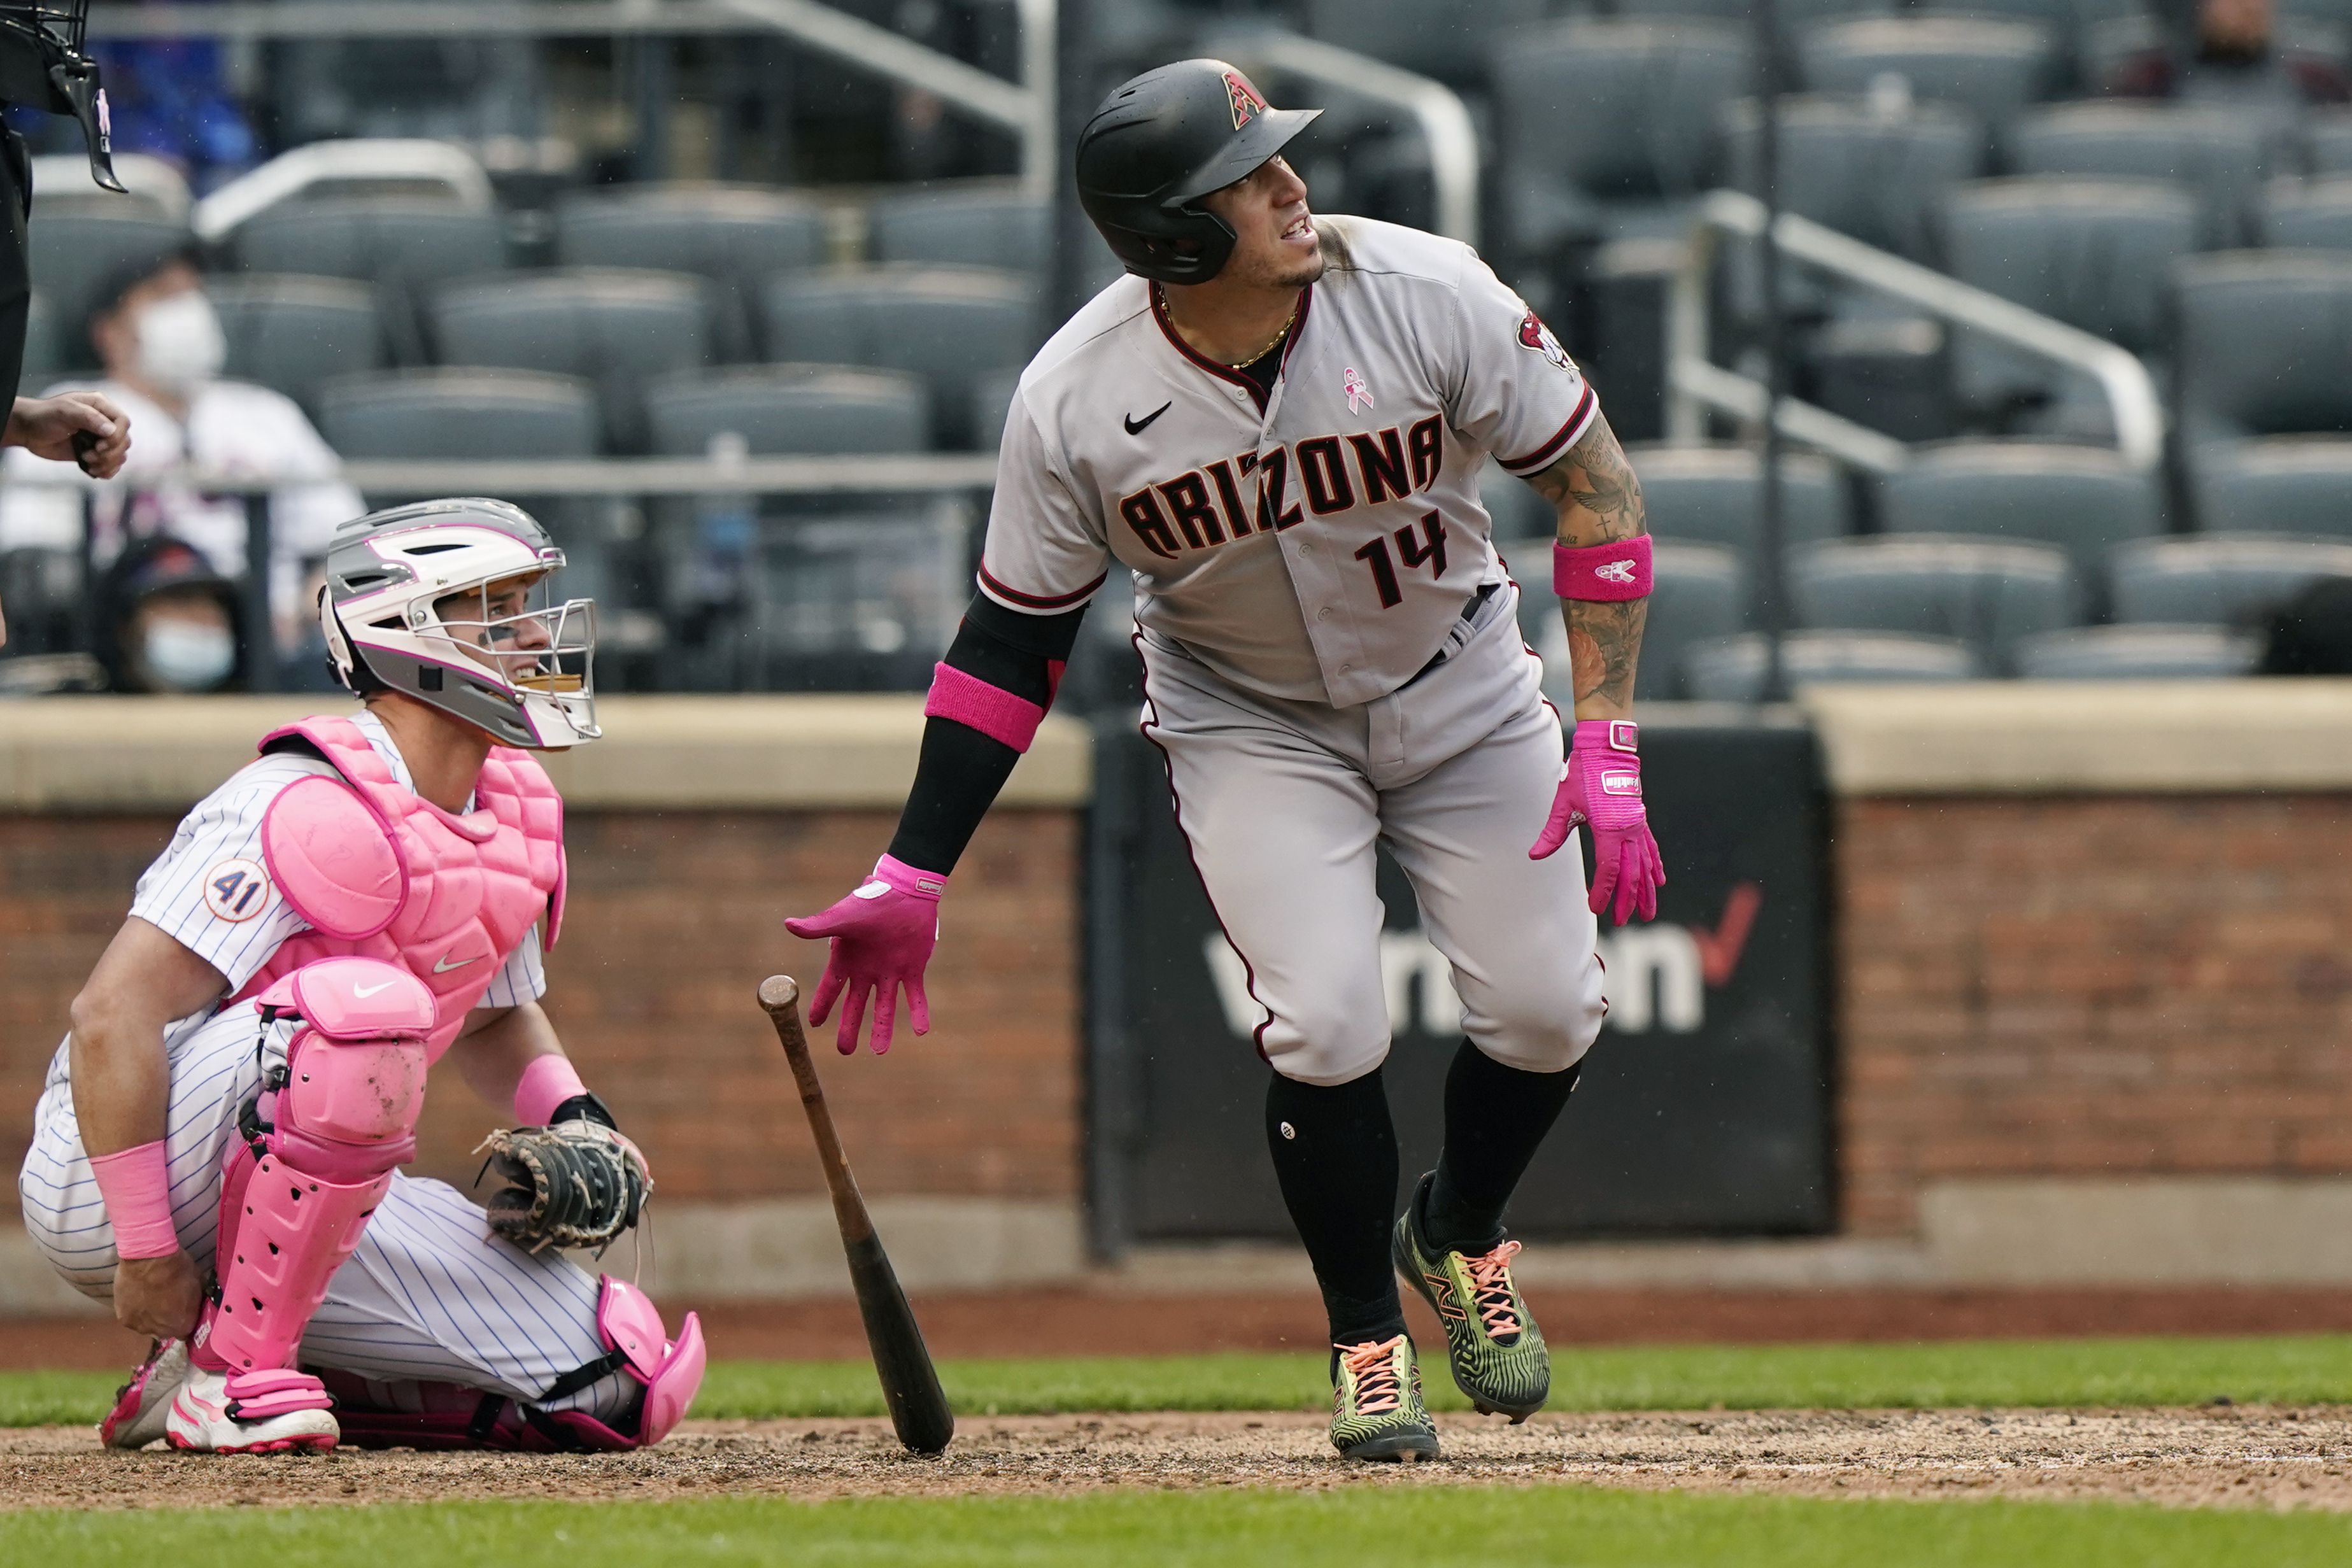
(236, 890)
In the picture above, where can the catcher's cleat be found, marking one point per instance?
(1496, 1352)
(1376, 1409)
(251, 1413)
(142, 1404)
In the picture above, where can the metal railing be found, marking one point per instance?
(1027, 107)
(1436, 108)
(1696, 383)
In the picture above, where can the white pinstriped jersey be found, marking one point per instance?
(1321, 548)
(210, 889)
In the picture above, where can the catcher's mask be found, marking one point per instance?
(448, 603)
(42, 66)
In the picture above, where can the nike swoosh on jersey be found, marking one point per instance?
(363, 992)
(443, 966)
(1138, 426)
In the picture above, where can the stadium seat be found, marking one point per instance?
(1991, 68)
(1731, 669)
(2308, 215)
(1449, 42)
(2299, 484)
(790, 411)
(1715, 494)
(1988, 592)
(45, 349)
(2331, 143)
(404, 246)
(949, 324)
(1606, 128)
(2261, 344)
(617, 329)
(1519, 510)
(864, 601)
(2216, 154)
(1700, 593)
(73, 255)
(2094, 253)
(1863, 170)
(2137, 654)
(1794, 16)
(294, 334)
(2085, 499)
(735, 236)
(2224, 579)
(991, 404)
(992, 229)
(453, 89)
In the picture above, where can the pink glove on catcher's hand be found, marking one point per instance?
(1602, 785)
(882, 939)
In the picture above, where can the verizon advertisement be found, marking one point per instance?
(1703, 1109)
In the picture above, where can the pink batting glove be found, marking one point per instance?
(882, 936)
(1602, 785)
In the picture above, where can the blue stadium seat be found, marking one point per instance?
(991, 404)
(2094, 253)
(2223, 579)
(996, 229)
(1715, 494)
(779, 411)
(295, 334)
(2137, 653)
(1449, 41)
(1605, 130)
(2216, 154)
(2296, 484)
(951, 325)
(618, 330)
(1519, 511)
(1859, 168)
(734, 236)
(1991, 68)
(2262, 342)
(1987, 593)
(2083, 499)
(1731, 669)
(1699, 593)
(2308, 215)
(406, 247)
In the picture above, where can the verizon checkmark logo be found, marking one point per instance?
(1719, 949)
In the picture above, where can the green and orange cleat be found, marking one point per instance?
(1376, 1408)
(1496, 1352)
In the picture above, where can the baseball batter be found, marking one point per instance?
(1277, 426)
(217, 1148)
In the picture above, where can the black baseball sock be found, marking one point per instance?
(1495, 1116)
(1335, 1154)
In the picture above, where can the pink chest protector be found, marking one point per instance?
(381, 873)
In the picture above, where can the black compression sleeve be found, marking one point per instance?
(960, 770)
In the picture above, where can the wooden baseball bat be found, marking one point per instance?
(910, 1384)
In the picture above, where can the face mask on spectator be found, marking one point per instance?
(186, 656)
(179, 342)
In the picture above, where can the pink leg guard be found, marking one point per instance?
(298, 1194)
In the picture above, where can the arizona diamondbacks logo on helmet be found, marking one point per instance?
(1244, 99)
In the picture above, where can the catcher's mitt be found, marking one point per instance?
(576, 1184)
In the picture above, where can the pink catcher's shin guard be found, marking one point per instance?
(320, 1152)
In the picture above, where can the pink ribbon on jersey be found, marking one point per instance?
(1354, 385)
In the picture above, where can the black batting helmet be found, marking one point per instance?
(1160, 142)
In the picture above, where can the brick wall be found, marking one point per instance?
(673, 919)
(2094, 985)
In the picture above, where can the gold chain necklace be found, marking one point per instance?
(1288, 322)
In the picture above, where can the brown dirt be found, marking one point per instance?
(2242, 1457)
(1092, 1322)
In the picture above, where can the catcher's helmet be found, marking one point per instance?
(525, 678)
(1160, 142)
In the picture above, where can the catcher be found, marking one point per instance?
(217, 1148)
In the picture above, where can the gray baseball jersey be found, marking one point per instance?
(1410, 362)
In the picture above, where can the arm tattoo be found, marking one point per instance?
(1599, 500)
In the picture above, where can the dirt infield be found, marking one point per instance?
(2242, 1457)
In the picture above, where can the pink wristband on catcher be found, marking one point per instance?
(1603, 573)
(136, 1185)
(547, 1081)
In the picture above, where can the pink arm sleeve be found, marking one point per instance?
(136, 1185)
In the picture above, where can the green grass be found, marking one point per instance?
(2285, 1369)
(1351, 1528)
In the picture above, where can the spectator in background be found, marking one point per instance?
(167, 622)
(2235, 61)
(155, 332)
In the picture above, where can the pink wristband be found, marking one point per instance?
(547, 1081)
(995, 712)
(136, 1185)
(1603, 574)
(910, 880)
